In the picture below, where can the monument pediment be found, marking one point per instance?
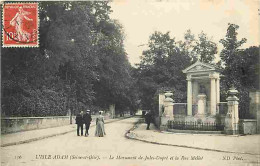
(199, 67)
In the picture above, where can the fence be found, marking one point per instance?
(195, 126)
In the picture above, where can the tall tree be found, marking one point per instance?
(232, 56)
(160, 69)
(80, 46)
(188, 44)
(205, 48)
(230, 52)
(201, 48)
(248, 69)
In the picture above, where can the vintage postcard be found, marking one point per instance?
(130, 83)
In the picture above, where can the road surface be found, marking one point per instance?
(112, 150)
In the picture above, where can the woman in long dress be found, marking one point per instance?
(18, 22)
(100, 129)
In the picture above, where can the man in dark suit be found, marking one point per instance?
(79, 122)
(148, 119)
(87, 120)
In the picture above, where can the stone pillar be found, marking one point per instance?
(189, 96)
(218, 89)
(161, 103)
(212, 95)
(168, 111)
(195, 92)
(232, 118)
(201, 104)
(217, 95)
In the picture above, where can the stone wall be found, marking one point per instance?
(17, 124)
(247, 126)
(255, 107)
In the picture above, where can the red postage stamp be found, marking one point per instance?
(20, 25)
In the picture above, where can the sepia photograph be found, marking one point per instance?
(130, 83)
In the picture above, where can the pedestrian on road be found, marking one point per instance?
(87, 120)
(148, 119)
(100, 129)
(79, 122)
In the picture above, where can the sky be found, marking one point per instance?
(140, 18)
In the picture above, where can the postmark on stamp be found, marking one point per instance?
(20, 25)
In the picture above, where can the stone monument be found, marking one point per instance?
(168, 110)
(201, 105)
(203, 91)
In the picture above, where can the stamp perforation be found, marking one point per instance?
(27, 45)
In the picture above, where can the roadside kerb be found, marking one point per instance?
(130, 135)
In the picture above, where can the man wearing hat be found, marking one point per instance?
(79, 122)
(87, 120)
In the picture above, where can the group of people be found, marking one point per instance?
(85, 118)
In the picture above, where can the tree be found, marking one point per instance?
(161, 69)
(248, 68)
(229, 54)
(187, 46)
(231, 44)
(162, 64)
(80, 58)
(205, 48)
(237, 63)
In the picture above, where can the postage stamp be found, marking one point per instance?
(20, 25)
